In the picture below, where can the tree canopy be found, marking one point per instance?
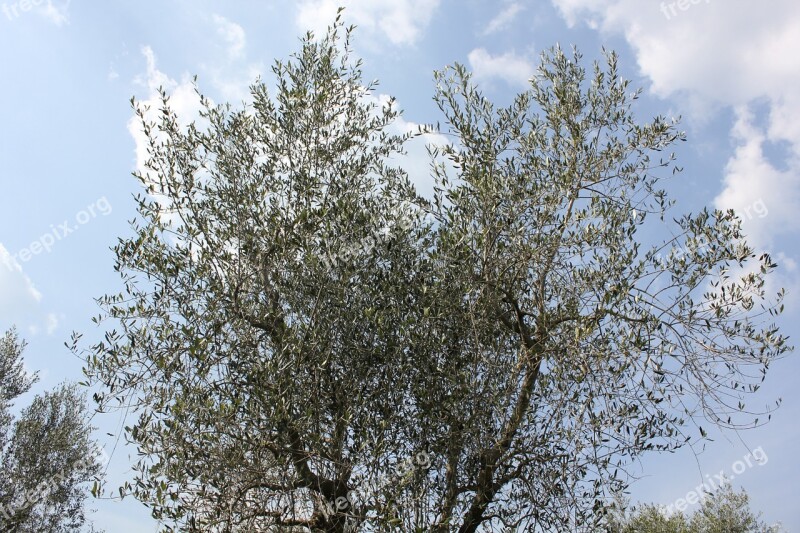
(723, 511)
(47, 455)
(309, 343)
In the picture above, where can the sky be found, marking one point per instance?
(68, 69)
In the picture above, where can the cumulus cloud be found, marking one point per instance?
(417, 161)
(725, 51)
(183, 100)
(755, 189)
(401, 21)
(232, 34)
(503, 19)
(509, 67)
(725, 54)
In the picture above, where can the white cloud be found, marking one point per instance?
(729, 53)
(232, 34)
(764, 197)
(503, 19)
(401, 21)
(182, 99)
(57, 13)
(513, 69)
(417, 161)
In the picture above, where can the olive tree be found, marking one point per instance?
(47, 455)
(728, 511)
(309, 344)
(722, 511)
(14, 380)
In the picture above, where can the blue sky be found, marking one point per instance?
(730, 68)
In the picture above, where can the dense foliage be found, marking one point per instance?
(723, 511)
(310, 344)
(47, 455)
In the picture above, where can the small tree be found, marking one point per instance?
(723, 511)
(14, 381)
(728, 511)
(490, 358)
(651, 519)
(47, 455)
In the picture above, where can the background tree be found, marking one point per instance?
(47, 457)
(651, 519)
(723, 511)
(310, 344)
(728, 511)
(14, 381)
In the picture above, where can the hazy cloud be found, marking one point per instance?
(402, 21)
(503, 19)
(509, 67)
